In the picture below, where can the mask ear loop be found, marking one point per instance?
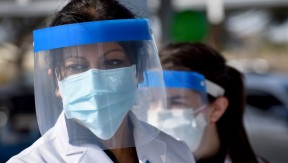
(197, 112)
(57, 75)
(200, 109)
(214, 90)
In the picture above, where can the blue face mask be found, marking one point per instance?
(100, 99)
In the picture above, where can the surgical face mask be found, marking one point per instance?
(182, 124)
(100, 99)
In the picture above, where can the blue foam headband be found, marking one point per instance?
(91, 32)
(175, 79)
(184, 79)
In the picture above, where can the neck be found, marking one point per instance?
(125, 155)
(122, 138)
(122, 143)
(210, 143)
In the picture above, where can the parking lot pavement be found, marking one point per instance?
(268, 135)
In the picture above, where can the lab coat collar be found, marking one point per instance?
(148, 145)
(73, 136)
(145, 136)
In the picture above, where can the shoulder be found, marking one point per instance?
(176, 148)
(162, 147)
(36, 150)
(259, 159)
(262, 160)
(164, 144)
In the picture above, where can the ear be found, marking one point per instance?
(218, 107)
(50, 72)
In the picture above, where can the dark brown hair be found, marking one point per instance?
(77, 11)
(203, 59)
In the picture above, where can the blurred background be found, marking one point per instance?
(252, 34)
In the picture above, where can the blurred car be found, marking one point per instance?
(18, 124)
(266, 115)
(268, 92)
(265, 90)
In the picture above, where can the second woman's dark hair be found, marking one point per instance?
(201, 58)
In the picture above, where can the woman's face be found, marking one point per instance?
(183, 99)
(97, 56)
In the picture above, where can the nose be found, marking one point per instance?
(95, 65)
(94, 61)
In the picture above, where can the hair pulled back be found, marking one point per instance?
(201, 58)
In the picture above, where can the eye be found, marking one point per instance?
(75, 68)
(114, 63)
(178, 104)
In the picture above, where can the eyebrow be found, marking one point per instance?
(104, 54)
(114, 50)
(78, 57)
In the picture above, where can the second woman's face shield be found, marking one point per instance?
(91, 71)
(185, 114)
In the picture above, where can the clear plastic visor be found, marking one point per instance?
(96, 87)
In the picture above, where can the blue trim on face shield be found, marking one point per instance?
(182, 79)
(174, 79)
(90, 33)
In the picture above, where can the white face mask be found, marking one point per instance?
(182, 124)
(100, 99)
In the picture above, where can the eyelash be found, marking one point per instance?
(79, 68)
(177, 103)
(82, 67)
(76, 68)
(113, 62)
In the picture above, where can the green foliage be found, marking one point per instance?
(189, 26)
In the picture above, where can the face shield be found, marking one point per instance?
(185, 114)
(92, 71)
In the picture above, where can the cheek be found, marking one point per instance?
(208, 112)
(50, 72)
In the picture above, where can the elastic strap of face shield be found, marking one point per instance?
(214, 89)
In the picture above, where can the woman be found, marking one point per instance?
(221, 136)
(90, 68)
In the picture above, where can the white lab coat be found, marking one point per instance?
(55, 147)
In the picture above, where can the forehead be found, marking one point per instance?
(91, 49)
(181, 92)
(187, 98)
